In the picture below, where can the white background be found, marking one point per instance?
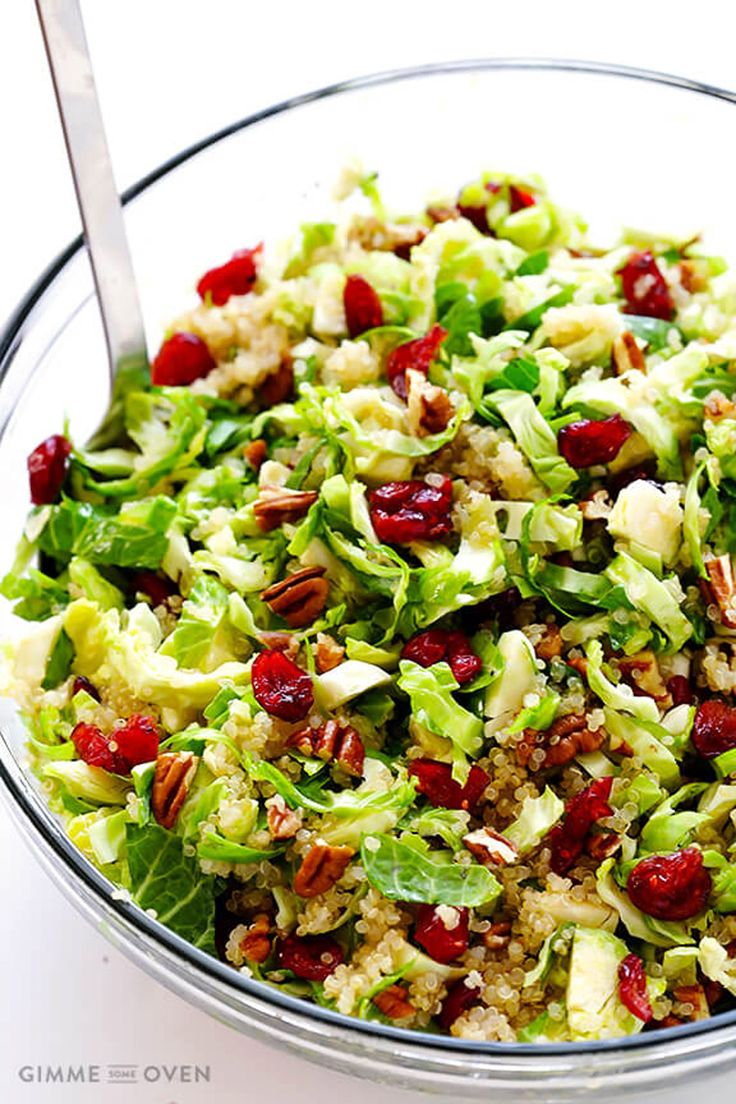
(169, 72)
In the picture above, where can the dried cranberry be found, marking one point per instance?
(363, 310)
(435, 781)
(417, 354)
(182, 359)
(435, 645)
(567, 840)
(460, 997)
(94, 748)
(312, 957)
(441, 943)
(632, 987)
(464, 663)
(625, 478)
(136, 741)
(644, 288)
(236, 277)
(714, 728)
(519, 198)
(156, 587)
(501, 608)
(670, 887)
(280, 687)
(426, 648)
(680, 690)
(477, 215)
(411, 510)
(47, 468)
(586, 442)
(82, 684)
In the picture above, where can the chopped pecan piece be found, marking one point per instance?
(695, 996)
(392, 237)
(602, 845)
(692, 276)
(722, 587)
(550, 643)
(281, 642)
(718, 406)
(298, 598)
(641, 672)
(394, 1003)
(255, 452)
(490, 848)
(275, 505)
(256, 945)
(597, 506)
(321, 867)
(172, 777)
(627, 356)
(498, 935)
(578, 663)
(670, 1021)
(278, 386)
(332, 740)
(283, 822)
(327, 653)
(429, 409)
(442, 214)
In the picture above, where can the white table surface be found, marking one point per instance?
(167, 75)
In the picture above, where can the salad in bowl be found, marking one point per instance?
(386, 648)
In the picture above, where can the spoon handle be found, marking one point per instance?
(97, 196)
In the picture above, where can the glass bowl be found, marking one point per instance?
(621, 146)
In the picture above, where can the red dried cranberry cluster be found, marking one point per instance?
(589, 442)
(645, 289)
(435, 782)
(670, 887)
(363, 310)
(411, 510)
(567, 840)
(280, 687)
(47, 468)
(436, 645)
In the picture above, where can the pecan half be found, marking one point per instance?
(641, 672)
(722, 587)
(332, 740)
(299, 597)
(565, 738)
(498, 935)
(256, 945)
(321, 867)
(627, 356)
(327, 653)
(278, 386)
(429, 409)
(394, 1003)
(283, 822)
(490, 848)
(172, 777)
(550, 643)
(275, 505)
(255, 452)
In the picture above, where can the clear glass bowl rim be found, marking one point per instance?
(94, 884)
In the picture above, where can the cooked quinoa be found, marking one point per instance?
(388, 651)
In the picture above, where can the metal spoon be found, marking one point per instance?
(99, 204)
